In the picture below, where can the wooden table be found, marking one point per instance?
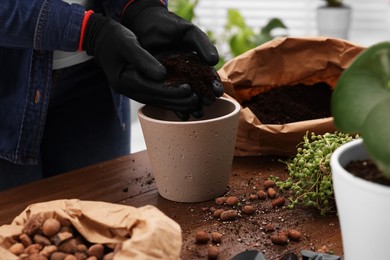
(128, 180)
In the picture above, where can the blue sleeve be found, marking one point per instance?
(40, 24)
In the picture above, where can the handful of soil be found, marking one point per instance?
(188, 68)
(292, 103)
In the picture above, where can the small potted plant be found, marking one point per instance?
(333, 19)
(361, 104)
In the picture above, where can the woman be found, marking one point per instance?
(67, 69)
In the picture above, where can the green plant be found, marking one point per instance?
(184, 8)
(310, 180)
(239, 36)
(361, 102)
(334, 3)
(242, 37)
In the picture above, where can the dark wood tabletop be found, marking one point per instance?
(129, 181)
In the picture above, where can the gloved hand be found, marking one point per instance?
(161, 31)
(130, 69)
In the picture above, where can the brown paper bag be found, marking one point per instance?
(152, 234)
(283, 61)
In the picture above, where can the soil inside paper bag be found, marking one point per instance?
(285, 61)
(287, 104)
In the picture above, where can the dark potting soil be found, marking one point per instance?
(291, 103)
(366, 169)
(189, 68)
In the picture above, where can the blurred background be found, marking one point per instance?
(237, 26)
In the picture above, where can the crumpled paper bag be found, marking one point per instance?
(283, 61)
(152, 234)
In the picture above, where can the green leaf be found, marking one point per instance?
(186, 9)
(241, 42)
(272, 24)
(376, 132)
(361, 86)
(262, 38)
(361, 102)
(235, 19)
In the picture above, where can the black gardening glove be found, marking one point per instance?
(131, 70)
(161, 31)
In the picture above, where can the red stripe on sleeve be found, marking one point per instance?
(127, 5)
(83, 27)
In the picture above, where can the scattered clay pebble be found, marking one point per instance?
(216, 237)
(25, 239)
(248, 209)
(217, 213)
(16, 248)
(69, 246)
(294, 234)
(70, 257)
(202, 237)
(212, 209)
(213, 252)
(271, 193)
(268, 184)
(37, 256)
(32, 249)
(279, 239)
(96, 250)
(323, 249)
(48, 250)
(232, 201)
(80, 255)
(283, 232)
(82, 248)
(58, 256)
(253, 197)
(220, 200)
(262, 194)
(40, 239)
(270, 227)
(51, 227)
(278, 202)
(228, 215)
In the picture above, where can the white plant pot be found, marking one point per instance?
(191, 160)
(363, 207)
(334, 21)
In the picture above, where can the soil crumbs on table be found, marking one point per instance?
(287, 104)
(265, 228)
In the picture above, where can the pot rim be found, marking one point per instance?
(338, 168)
(235, 111)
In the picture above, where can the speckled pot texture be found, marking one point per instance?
(191, 160)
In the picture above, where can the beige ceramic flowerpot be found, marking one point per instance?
(191, 160)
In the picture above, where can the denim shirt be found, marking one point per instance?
(29, 32)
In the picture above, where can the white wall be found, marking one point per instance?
(370, 18)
